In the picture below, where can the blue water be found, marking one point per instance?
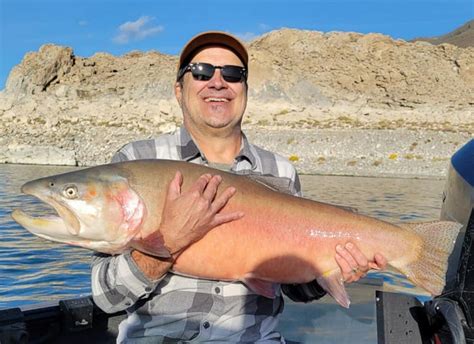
(34, 270)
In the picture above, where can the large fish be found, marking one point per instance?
(281, 238)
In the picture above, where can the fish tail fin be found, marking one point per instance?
(333, 283)
(428, 269)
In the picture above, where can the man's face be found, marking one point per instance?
(214, 103)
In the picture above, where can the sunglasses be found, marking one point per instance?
(205, 71)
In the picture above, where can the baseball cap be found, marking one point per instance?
(210, 38)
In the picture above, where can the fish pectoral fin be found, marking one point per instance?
(152, 245)
(333, 283)
(260, 287)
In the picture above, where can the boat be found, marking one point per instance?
(448, 318)
(397, 318)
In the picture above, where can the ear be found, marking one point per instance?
(178, 91)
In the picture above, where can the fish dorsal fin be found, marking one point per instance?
(275, 183)
(333, 283)
(283, 185)
(345, 207)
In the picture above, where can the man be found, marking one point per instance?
(211, 90)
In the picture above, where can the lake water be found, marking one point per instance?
(33, 270)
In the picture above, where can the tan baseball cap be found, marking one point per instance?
(210, 38)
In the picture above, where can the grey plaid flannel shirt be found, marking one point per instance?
(183, 309)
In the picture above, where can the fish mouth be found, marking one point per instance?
(64, 227)
(47, 227)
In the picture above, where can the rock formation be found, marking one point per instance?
(303, 80)
(462, 37)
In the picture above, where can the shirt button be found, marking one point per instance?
(217, 290)
(206, 325)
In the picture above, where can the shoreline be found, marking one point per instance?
(391, 153)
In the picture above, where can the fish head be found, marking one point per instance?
(97, 210)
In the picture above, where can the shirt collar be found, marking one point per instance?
(246, 152)
(190, 151)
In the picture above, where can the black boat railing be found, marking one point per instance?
(55, 322)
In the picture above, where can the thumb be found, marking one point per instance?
(379, 263)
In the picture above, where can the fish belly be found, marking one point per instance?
(275, 247)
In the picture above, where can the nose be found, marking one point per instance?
(217, 81)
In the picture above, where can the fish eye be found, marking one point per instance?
(51, 184)
(70, 192)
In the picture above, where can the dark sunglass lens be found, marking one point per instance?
(233, 73)
(202, 71)
(232, 79)
(205, 71)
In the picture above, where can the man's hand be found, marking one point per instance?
(188, 216)
(354, 264)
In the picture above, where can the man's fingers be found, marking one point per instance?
(358, 256)
(220, 219)
(380, 262)
(223, 198)
(211, 188)
(374, 266)
(201, 183)
(346, 269)
(174, 188)
(349, 274)
(344, 253)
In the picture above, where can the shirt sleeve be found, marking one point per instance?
(302, 292)
(116, 281)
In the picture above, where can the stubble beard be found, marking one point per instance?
(216, 120)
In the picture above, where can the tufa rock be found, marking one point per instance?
(39, 69)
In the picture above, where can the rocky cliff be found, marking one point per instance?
(462, 37)
(81, 109)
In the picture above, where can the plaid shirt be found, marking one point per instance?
(178, 308)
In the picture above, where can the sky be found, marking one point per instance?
(120, 26)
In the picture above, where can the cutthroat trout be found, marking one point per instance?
(280, 239)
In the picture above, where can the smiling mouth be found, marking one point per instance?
(216, 100)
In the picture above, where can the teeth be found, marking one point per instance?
(225, 100)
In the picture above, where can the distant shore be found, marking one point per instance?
(398, 153)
